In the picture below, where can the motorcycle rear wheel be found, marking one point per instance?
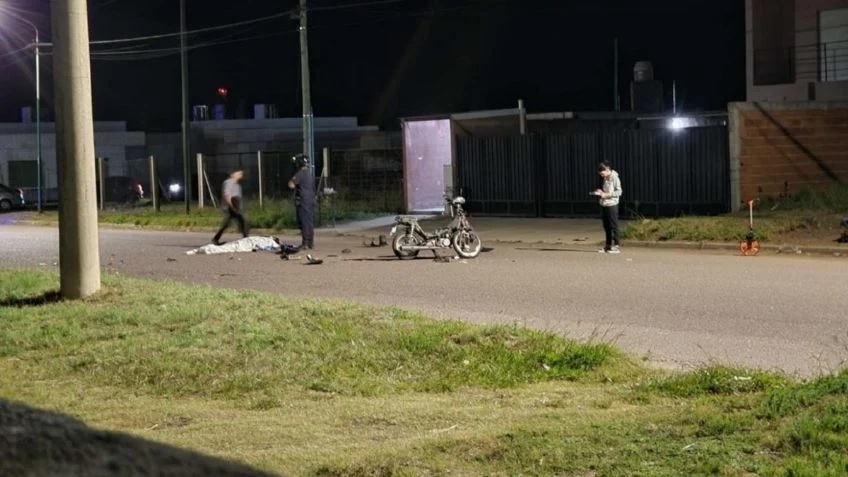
(405, 239)
(466, 243)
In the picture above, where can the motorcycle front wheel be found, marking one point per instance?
(401, 240)
(466, 243)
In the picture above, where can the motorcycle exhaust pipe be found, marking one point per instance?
(413, 248)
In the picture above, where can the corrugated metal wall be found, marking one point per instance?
(664, 172)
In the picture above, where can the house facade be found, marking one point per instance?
(797, 50)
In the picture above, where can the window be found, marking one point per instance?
(833, 45)
(774, 41)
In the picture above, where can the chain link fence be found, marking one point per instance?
(368, 179)
(365, 180)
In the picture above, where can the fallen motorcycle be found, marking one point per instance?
(409, 238)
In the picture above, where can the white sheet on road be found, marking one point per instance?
(246, 244)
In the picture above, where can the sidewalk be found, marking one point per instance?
(564, 232)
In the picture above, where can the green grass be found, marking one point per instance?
(274, 215)
(329, 389)
(807, 217)
(181, 341)
(728, 228)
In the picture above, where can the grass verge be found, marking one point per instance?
(274, 215)
(314, 388)
(806, 217)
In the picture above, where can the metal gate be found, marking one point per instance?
(663, 172)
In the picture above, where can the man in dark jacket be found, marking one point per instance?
(303, 185)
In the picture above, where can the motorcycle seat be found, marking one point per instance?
(406, 219)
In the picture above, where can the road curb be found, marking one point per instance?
(774, 248)
(788, 249)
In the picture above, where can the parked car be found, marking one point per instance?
(11, 199)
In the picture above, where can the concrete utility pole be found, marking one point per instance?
(308, 148)
(79, 248)
(184, 108)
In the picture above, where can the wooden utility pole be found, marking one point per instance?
(79, 247)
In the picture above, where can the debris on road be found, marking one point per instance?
(379, 241)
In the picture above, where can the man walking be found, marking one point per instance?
(232, 204)
(303, 185)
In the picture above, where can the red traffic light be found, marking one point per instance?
(222, 92)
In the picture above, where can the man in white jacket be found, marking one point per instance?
(609, 195)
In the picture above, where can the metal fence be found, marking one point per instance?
(371, 179)
(217, 167)
(664, 172)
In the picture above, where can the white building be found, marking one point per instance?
(18, 153)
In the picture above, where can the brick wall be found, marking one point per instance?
(781, 148)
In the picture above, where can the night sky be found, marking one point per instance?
(383, 59)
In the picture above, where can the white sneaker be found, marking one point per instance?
(614, 249)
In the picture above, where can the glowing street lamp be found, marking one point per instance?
(36, 45)
(37, 110)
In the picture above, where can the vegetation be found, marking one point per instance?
(274, 215)
(330, 389)
(809, 216)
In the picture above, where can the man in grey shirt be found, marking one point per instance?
(231, 204)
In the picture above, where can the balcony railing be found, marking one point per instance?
(833, 61)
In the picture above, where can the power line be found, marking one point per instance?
(286, 13)
(156, 53)
(150, 49)
(15, 52)
(354, 5)
(199, 30)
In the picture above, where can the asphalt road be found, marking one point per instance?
(675, 308)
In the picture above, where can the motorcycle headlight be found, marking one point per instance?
(174, 188)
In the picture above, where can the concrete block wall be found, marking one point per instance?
(782, 148)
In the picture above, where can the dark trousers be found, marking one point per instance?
(229, 216)
(610, 217)
(305, 220)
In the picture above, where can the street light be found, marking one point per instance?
(36, 45)
(37, 111)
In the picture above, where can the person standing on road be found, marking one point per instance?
(232, 205)
(608, 196)
(303, 185)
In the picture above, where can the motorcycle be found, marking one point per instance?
(409, 238)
